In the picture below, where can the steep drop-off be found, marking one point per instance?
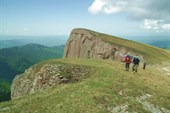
(105, 87)
(46, 75)
(85, 43)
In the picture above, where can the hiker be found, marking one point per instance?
(127, 62)
(113, 53)
(144, 65)
(135, 64)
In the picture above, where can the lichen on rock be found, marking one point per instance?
(48, 75)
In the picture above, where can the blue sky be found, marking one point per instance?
(59, 17)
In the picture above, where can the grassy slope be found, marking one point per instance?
(15, 60)
(98, 91)
(151, 54)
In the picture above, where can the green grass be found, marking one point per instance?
(97, 92)
(151, 54)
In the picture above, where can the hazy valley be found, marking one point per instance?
(15, 60)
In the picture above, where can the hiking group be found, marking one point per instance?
(132, 59)
(135, 60)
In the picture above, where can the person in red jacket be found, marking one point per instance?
(127, 62)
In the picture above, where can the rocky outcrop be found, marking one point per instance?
(88, 44)
(48, 75)
(81, 44)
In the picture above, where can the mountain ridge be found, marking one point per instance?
(106, 89)
(26, 55)
(84, 43)
(99, 85)
(23, 40)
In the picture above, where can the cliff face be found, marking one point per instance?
(87, 44)
(39, 78)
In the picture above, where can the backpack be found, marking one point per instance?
(136, 61)
(127, 58)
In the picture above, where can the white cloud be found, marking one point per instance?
(166, 26)
(110, 10)
(139, 9)
(106, 6)
(97, 6)
(156, 25)
(152, 12)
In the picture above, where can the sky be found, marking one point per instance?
(59, 17)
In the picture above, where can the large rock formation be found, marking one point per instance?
(84, 43)
(38, 78)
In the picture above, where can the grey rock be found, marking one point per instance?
(48, 75)
(84, 43)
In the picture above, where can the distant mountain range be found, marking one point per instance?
(165, 44)
(161, 42)
(50, 41)
(15, 60)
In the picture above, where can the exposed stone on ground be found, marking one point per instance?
(123, 108)
(48, 75)
(149, 106)
(121, 93)
(119, 109)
